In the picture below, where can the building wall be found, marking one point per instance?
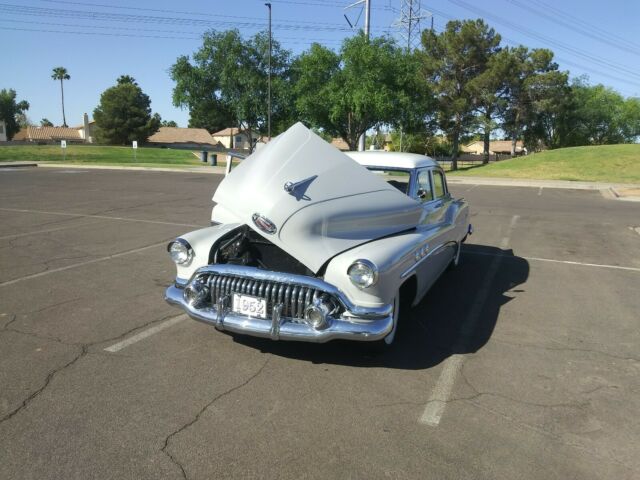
(3, 131)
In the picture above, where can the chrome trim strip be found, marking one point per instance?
(347, 328)
(275, 322)
(432, 252)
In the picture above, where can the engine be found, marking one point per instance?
(243, 246)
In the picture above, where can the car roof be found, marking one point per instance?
(379, 158)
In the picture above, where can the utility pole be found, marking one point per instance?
(268, 5)
(367, 29)
(408, 24)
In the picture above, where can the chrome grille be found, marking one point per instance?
(295, 298)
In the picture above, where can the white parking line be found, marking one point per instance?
(441, 392)
(116, 347)
(103, 217)
(566, 262)
(37, 232)
(540, 191)
(81, 264)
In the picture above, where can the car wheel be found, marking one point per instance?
(385, 344)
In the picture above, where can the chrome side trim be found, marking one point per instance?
(432, 252)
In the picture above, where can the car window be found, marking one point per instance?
(424, 186)
(438, 184)
(396, 178)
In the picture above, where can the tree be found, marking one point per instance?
(368, 83)
(600, 115)
(45, 122)
(225, 83)
(60, 73)
(168, 123)
(537, 97)
(124, 114)
(11, 110)
(451, 62)
(489, 91)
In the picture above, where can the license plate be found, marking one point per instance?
(249, 306)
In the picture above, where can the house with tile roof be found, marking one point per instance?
(496, 147)
(48, 135)
(177, 137)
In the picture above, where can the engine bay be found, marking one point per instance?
(244, 246)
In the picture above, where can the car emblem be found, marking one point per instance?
(264, 224)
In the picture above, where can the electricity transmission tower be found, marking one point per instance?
(410, 22)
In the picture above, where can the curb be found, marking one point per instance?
(189, 169)
(17, 165)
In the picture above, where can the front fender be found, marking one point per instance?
(201, 241)
(392, 255)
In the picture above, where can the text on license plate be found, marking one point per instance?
(249, 306)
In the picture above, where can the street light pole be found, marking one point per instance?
(268, 5)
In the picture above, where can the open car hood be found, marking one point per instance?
(311, 200)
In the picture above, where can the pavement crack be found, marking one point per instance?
(25, 403)
(566, 348)
(14, 317)
(478, 393)
(167, 440)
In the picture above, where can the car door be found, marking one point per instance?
(431, 190)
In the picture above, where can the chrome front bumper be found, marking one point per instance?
(356, 323)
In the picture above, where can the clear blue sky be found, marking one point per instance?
(98, 40)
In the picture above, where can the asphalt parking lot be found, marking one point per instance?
(523, 363)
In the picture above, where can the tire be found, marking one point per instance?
(385, 344)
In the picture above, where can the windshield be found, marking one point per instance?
(395, 177)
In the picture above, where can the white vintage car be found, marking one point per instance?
(309, 243)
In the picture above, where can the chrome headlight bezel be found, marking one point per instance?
(180, 246)
(363, 265)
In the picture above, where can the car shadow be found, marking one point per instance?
(457, 316)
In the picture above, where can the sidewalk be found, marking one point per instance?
(620, 191)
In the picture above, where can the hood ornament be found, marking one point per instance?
(264, 224)
(299, 189)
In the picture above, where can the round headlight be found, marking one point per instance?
(363, 273)
(180, 251)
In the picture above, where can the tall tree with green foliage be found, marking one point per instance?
(11, 111)
(168, 123)
(600, 115)
(225, 83)
(369, 82)
(537, 97)
(60, 73)
(489, 92)
(45, 122)
(124, 114)
(452, 60)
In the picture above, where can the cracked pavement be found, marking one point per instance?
(548, 388)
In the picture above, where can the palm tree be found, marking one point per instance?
(60, 73)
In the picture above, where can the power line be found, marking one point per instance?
(513, 43)
(138, 29)
(587, 33)
(587, 25)
(542, 38)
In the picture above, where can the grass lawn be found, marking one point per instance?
(603, 163)
(102, 155)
